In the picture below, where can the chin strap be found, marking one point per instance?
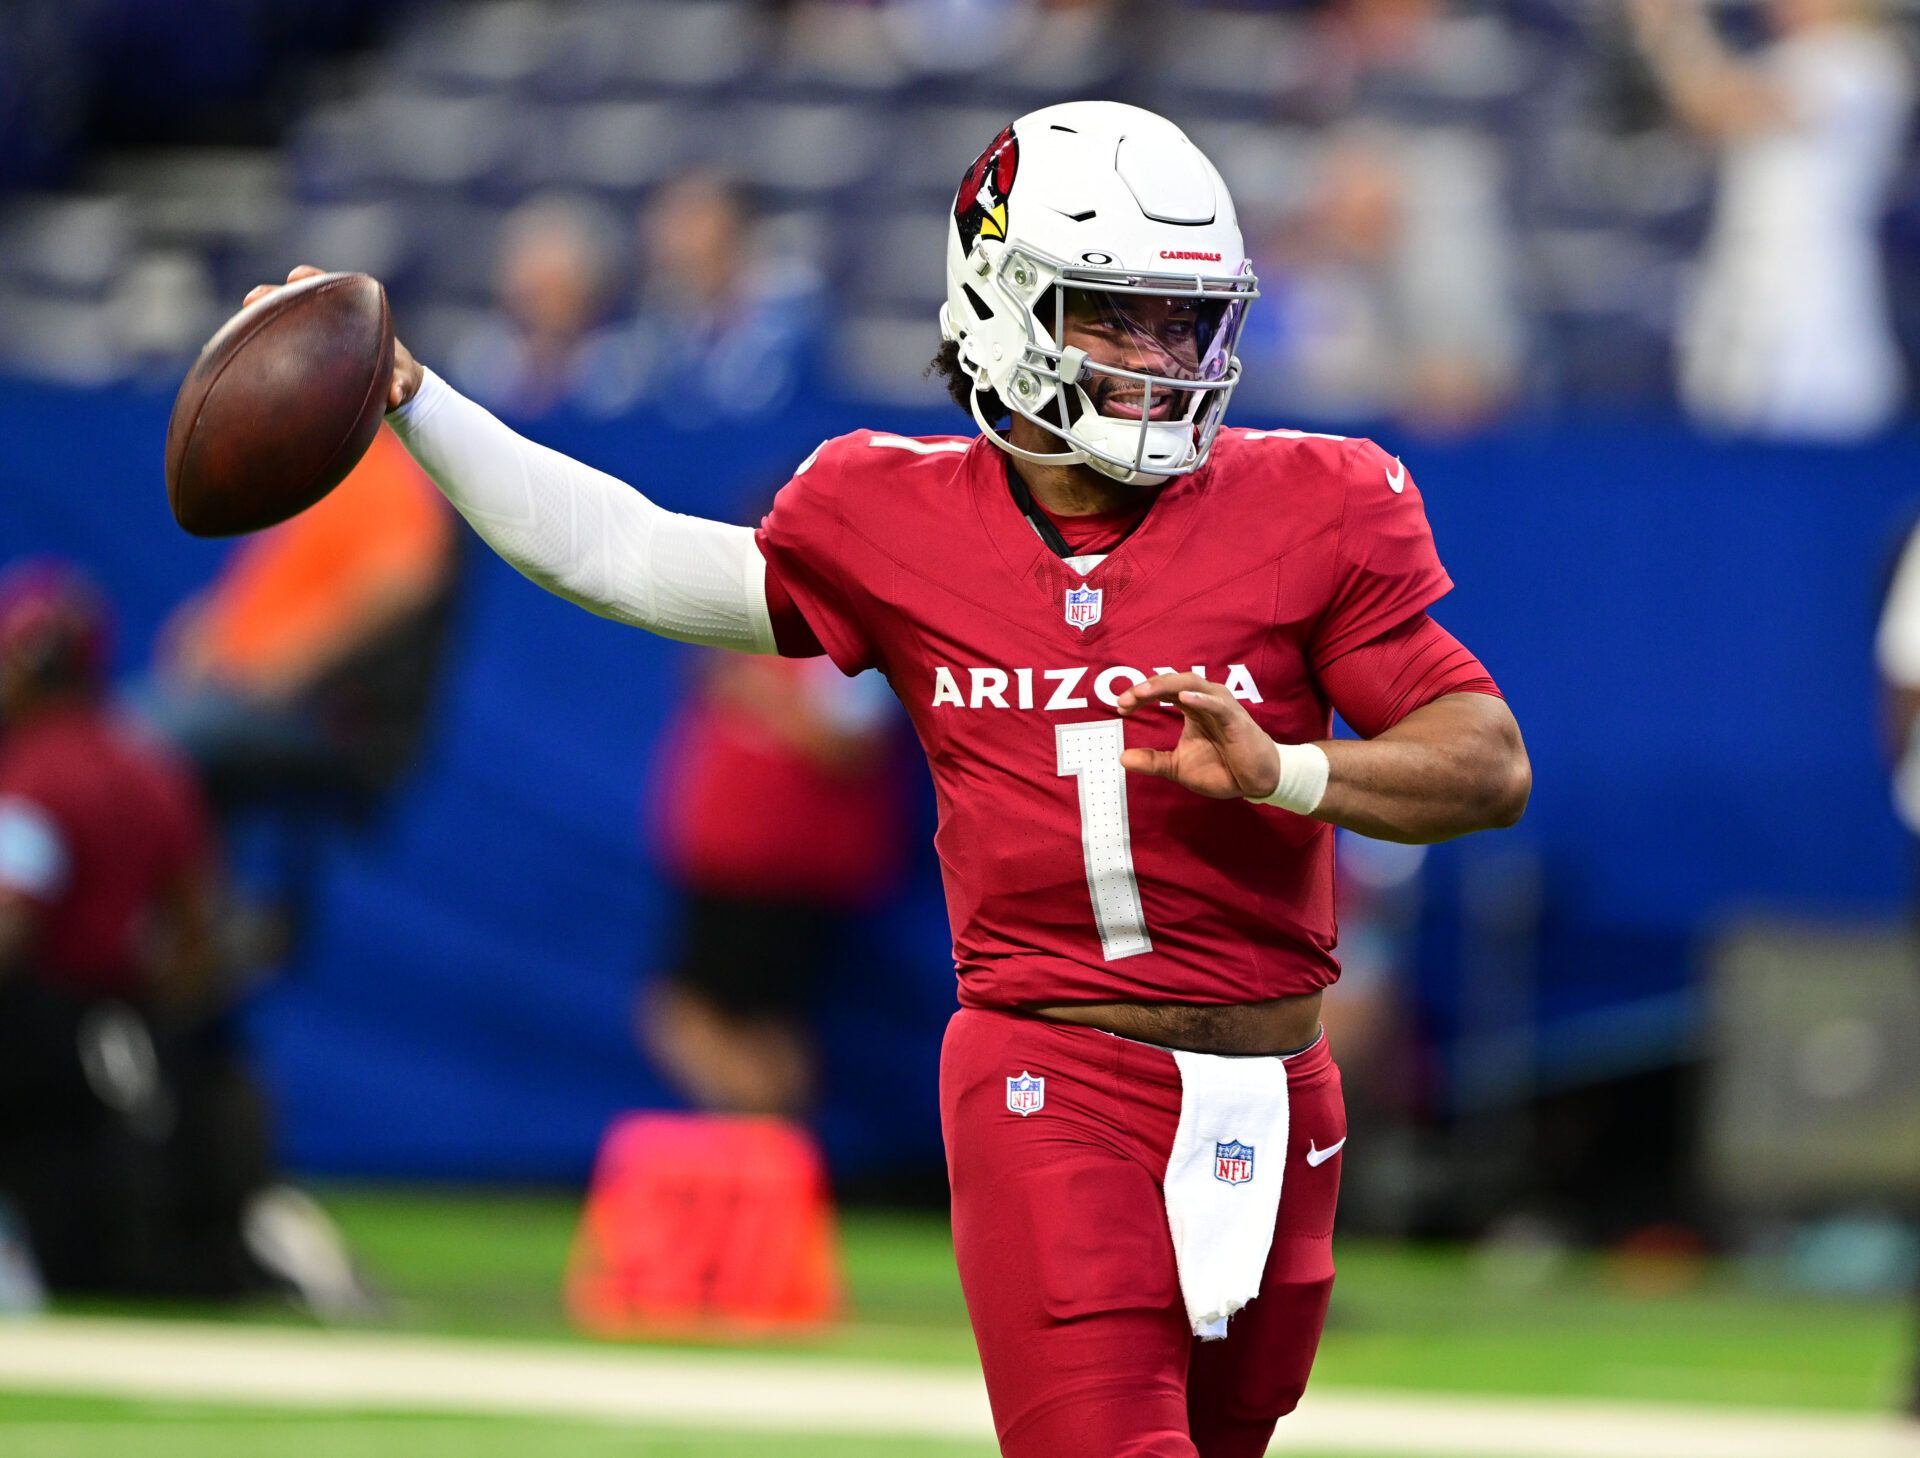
(1057, 458)
(1073, 457)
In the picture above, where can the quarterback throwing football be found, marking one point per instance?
(1120, 630)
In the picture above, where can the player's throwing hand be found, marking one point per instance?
(406, 369)
(1222, 753)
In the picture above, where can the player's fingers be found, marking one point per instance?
(260, 291)
(1156, 762)
(1210, 716)
(1162, 688)
(1208, 708)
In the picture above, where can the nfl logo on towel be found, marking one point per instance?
(1233, 1162)
(1026, 1094)
(1083, 606)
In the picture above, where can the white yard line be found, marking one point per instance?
(748, 1392)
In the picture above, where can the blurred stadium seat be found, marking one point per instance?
(835, 105)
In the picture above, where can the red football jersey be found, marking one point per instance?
(1067, 879)
(132, 825)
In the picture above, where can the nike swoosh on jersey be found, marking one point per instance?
(1397, 479)
(1318, 1157)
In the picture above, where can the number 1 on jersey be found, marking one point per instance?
(1090, 754)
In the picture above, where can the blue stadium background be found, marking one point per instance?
(1684, 627)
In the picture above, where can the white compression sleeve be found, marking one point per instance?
(585, 536)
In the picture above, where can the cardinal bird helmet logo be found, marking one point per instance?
(980, 207)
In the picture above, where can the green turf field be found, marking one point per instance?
(60, 1427)
(1417, 1319)
(1423, 1318)
(53, 1427)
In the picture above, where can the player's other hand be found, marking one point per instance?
(406, 369)
(1222, 753)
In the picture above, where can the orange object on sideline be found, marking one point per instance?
(705, 1222)
(385, 529)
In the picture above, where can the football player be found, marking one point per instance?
(1120, 630)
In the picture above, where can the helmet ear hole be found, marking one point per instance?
(980, 309)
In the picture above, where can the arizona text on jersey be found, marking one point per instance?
(1066, 879)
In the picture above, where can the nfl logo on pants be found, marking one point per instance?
(1083, 606)
(1233, 1162)
(1026, 1094)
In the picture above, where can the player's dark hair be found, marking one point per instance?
(946, 368)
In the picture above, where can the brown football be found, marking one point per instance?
(281, 404)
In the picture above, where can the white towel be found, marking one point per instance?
(1223, 1181)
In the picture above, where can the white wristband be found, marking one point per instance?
(1303, 778)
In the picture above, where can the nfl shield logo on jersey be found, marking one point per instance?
(1083, 606)
(1233, 1162)
(1026, 1094)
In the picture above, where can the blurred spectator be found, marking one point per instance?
(132, 1140)
(1413, 61)
(1788, 334)
(948, 37)
(106, 917)
(1392, 291)
(555, 278)
(1381, 888)
(780, 816)
(1062, 45)
(308, 666)
(1897, 656)
(724, 332)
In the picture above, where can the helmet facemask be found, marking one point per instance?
(1132, 371)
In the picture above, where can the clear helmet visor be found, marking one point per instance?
(1126, 353)
(1176, 338)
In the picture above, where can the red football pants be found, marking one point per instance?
(1060, 1231)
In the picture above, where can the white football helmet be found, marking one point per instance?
(1102, 221)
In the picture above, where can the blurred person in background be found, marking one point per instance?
(725, 330)
(1788, 333)
(1416, 61)
(780, 816)
(1058, 44)
(301, 681)
(106, 917)
(133, 1140)
(306, 667)
(1383, 1059)
(1392, 291)
(556, 276)
(1897, 657)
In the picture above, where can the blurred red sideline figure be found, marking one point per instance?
(134, 1145)
(780, 818)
